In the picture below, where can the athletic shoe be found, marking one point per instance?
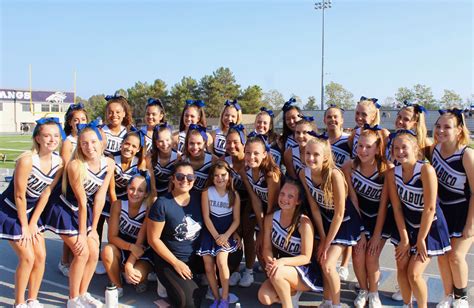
(64, 269)
(295, 299)
(397, 296)
(247, 279)
(141, 287)
(152, 276)
(374, 300)
(361, 299)
(120, 292)
(407, 305)
(234, 279)
(343, 272)
(325, 304)
(214, 304)
(161, 290)
(446, 302)
(223, 304)
(100, 269)
(21, 306)
(232, 297)
(76, 302)
(461, 303)
(34, 303)
(87, 299)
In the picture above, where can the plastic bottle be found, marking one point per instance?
(111, 296)
(237, 305)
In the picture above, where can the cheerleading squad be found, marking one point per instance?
(188, 203)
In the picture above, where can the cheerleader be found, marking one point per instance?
(22, 203)
(262, 182)
(264, 126)
(336, 220)
(291, 114)
(422, 230)
(193, 113)
(232, 113)
(367, 112)
(294, 157)
(334, 120)
(118, 115)
(74, 213)
(290, 234)
(76, 114)
(126, 251)
(221, 214)
(154, 115)
(194, 152)
(452, 159)
(365, 177)
(163, 157)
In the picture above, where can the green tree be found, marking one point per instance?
(273, 99)
(451, 99)
(311, 104)
(337, 95)
(404, 94)
(139, 94)
(424, 95)
(251, 100)
(218, 88)
(95, 106)
(187, 88)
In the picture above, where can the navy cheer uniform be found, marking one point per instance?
(351, 226)
(113, 141)
(355, 141)
(62, 214)
(341, 151)
(290, 142)
(388, 149)
(10, 227)
(236, 178)
(129, 228)
(369, 192)
(453, 189)
(296, 158)
(202, 172)
(162, 173)
(219, 143)
(260, 187)
(276, 153)
(148, 140)
(309, 273)
(412, 203)
(221, 215)
(181, 140)
(73, 141)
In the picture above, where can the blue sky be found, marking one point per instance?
(371, 47)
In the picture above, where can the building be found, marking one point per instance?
(19, 109)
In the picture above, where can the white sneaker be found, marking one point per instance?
(87, 299)
(325, 304)
(247, 279)
(295, 299)
(24, 305)
(232, 297)
(64, 269)
(361, 299)
(161, 290)
(407, 305)
(120, 292)
(343, 273)
(34, 303)
(397, 296)
(446, 302)
(76, 302)
(374, 300)
(100, 269)
(461, 303)
(152, 276)
(234, 279)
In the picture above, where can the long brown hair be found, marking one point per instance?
(268, 164)
(127, 119)
(380, 158)
(221, 164)
(299, 209)
(202, 116)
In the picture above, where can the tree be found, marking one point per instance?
(404, 94)
(251, 100)
(389, 103)
(95, 106)
(424, 96)
(311, 104)
(141, 91)
(337, 95)
(273, 99)
(451, 99)
(187, 88)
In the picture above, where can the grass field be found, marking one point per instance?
(12, 146)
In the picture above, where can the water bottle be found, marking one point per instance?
(237, 305)
(111, 296)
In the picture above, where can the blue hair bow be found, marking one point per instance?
(54, 120)
(374, 128)
(115, 96)
(306, 118)
(270, 112)
(234, 103)
(146, 175)
(196, 102)
(290, 103)
(141, 134)
(162, 125)
(417, 107)
(200, 129)
(319, 136)
(154, 102)
(94, 125)
(455, 111)
(261, 137)
(373, 100)
(239, 128)
(73, 107)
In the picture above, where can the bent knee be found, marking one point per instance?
(264, 298)
(456, 258)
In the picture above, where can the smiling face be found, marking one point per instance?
(191, 116)
(233, 144)
(115, 114)
(289, 197)
(255, 153)
(130, 146)
(153, 115)
(405, 149)
(314, 155)
(367, 148)
(446, 129)
(364, 114)
(90, 144)
(183, 186)
(291, 117)
(262, 123)
(230, 115)
(164, 142)
(195, 144)
(405, 120)
(78, 117)
(221, 178)
(333, 119)
(301, 135)
(48, 137)
(136, 190)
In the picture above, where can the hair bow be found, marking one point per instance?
(261, 137)
(373, 100)
(200, 129)
(290, 103)
(417, 107)
(162, 125)
(154, 102)
(239, 128)
(115, 96)
(146, 175)
(306, 118)
(270, 112)
(49, 120)
(233, 103)
(455, 111)
(141, 134)
(335, 106)
(94, 125)
(374, 128)
(319, 136)
(73, 107)
(196, 102)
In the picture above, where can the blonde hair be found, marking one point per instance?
(373, 109)
(463, 138)
(419, 118)
(35, 147)
(405, 134)
(380, 158)
(239, 116)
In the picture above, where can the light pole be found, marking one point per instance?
(322, 5)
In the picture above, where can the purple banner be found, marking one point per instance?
(53, 97)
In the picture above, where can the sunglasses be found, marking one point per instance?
(180, 177)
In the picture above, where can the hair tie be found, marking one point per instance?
(319, 136)
(154, 102)
(52, 120)
(373, 100)
(73, 107)
(195, 102)
(115, 96)
(200, 129)
(306, 118)
(290, 103)
(94, 125)
(374, 128)
(233, 103)
(261, 137)
(270, 112)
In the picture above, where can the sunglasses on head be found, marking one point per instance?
(181, 176)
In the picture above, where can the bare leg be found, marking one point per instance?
(26, 259)
(402, 277)
(418, 284)
(111, 256)
(445, 272)
(76, 270)
(373, 268)
(36, 276)
(224, 273)
(267, 294)
(284, 281)
(210, 267)
(457, 261)
(346, 256)
(144, 268)
(358, 264)
(91, 264)
(329, 270)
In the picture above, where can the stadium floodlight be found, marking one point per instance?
(322, 5)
